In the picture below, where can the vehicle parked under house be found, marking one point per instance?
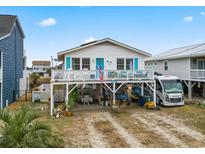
(104, 63)
(187, 63)
(11, 58)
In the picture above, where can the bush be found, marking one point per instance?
(36, 80)
(21, 129)
(73, 97)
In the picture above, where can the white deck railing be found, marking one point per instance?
(94, 75)
(198, 74)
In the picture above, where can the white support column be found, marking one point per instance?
(120, 86)
(66, 94)
(189, 90)
(101, 90)
(107, 86)
(69, 92)
(154, 92)
(113, 92)
(51, 100)
(142, 89)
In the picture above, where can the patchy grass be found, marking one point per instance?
(73, 130)
(140, 131)
(110, 134)
(191, 115)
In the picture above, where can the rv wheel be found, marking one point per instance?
(160, 102)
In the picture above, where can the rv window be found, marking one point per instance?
(172, 86)
(76, 63)
(129, 64)
(86, 63)
(120, 64)
(165, 65)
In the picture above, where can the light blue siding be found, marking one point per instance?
(135, 63)
(68, 63)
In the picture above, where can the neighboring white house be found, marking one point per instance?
(187, 63)
(41, 67)
(106, 62)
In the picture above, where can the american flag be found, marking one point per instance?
(101, 73)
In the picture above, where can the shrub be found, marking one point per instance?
(21, 129)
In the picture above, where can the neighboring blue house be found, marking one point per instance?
(11, 58)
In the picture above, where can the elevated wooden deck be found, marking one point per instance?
(71, 79)
(93, 76)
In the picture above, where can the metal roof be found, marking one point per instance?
(101, 41)
(182, 52)
(6, 25)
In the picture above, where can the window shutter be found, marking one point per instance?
(136, 63)
(67, 63)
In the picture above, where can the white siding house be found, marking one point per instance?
(187, 63)
(41, 67)
(107, 49)
(105, 62)
(174, 67)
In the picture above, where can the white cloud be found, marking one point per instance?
(202, 13)
(47, 22)
(90, 39)
(52, 43)
(188, 19)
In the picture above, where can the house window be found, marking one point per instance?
(76, 63)
(86, 63)
(166, 65)
(120, 64)
(201, 64)
(129, 64)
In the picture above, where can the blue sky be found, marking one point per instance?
(50, 30)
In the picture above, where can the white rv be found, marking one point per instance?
(169, 90)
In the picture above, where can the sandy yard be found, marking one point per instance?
(132, 127)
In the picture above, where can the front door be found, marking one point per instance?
(99, 67)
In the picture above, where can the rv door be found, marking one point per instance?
(159, 91)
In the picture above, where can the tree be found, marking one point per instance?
(23, 130)
(34, 77)
(48, 70)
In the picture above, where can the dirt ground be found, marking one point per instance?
(131, 127)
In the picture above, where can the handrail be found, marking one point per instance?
(87, 75)
(197, 74)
